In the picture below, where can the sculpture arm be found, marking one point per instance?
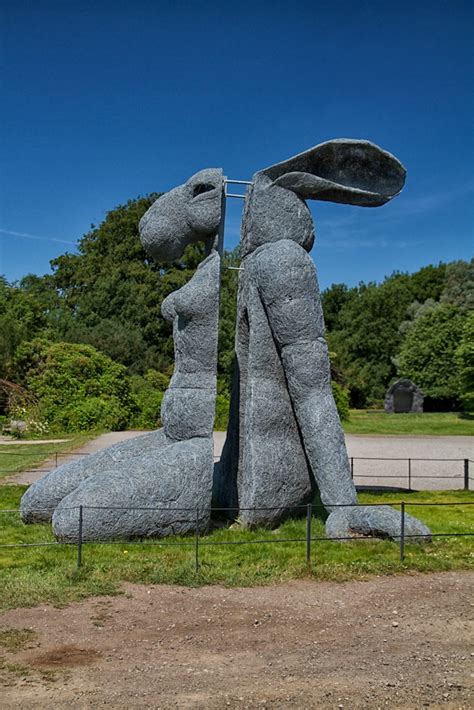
(288, 287)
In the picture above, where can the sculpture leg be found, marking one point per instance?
(158, 497)
(39, 501)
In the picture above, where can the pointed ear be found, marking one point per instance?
(354, 172)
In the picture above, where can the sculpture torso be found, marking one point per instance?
(188, 405)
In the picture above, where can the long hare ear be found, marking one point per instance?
(354, 172)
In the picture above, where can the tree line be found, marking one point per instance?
(87, 342)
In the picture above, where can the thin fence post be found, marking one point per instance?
(309, 516)
(79, 539)
(402, 533)
(352, 467)
(409, 475)
(56, 459)
(196, 543)
(466, 474)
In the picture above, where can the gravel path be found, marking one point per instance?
(447, 475)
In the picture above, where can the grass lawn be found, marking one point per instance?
(19, 456)
(37, 575)
(430, 423)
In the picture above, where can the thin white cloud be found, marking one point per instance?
(26, 235)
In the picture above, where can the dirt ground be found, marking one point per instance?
(403, 641)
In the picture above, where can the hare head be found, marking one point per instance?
(187, 214)
(353, 172)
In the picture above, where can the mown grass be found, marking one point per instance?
(48, 574)
(430, 423)
(17, 457)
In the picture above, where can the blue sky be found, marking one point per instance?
(104, 101)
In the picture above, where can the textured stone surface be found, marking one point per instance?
(354, 172)
(187, 214)
(285, 440)
(171, 468)
(177, 478)
(403, 396)
(41, 498)
(374, 521)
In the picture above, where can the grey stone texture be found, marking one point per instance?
(172, 468)
(374, 521)
(189, 213)
(285, 441)
(403, 396)
(157, 496)
(41, 498)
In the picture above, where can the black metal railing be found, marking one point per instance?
(201, 515)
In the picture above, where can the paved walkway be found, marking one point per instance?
(427, 474)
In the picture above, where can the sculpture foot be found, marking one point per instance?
(374, 521)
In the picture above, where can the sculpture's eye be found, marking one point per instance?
(202, 187)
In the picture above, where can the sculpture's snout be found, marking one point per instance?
(189, 213)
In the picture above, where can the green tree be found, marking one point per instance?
(22, 316)
(113, 292)
(465, 363)
(427, 354)
(367, 336)
(459, 286)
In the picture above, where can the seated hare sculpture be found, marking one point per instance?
(285, 440)
(153, 484)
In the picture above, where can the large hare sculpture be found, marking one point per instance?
(285, 442)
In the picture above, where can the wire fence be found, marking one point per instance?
(198, 521)
(408, 475)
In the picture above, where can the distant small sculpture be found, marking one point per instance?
(284, 441)
(403, 396)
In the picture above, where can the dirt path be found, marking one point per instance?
(402, 641)
(425, 475)
(100, 442)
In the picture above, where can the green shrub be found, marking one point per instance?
(158, 380)
(341, 397)
(465, 363)
(148, 409)
(92, 413)
(78, 387)
(222, 412)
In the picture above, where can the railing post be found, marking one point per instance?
(196, 543)
(309, 515)
(352, 467)
(466, 474)
(79, 539)
(409, 475)
(402, 533)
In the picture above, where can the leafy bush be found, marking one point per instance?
(92, 413)
(78, 387)
(341, 397)
(222, 412)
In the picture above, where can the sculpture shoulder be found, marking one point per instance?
(283, 269)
